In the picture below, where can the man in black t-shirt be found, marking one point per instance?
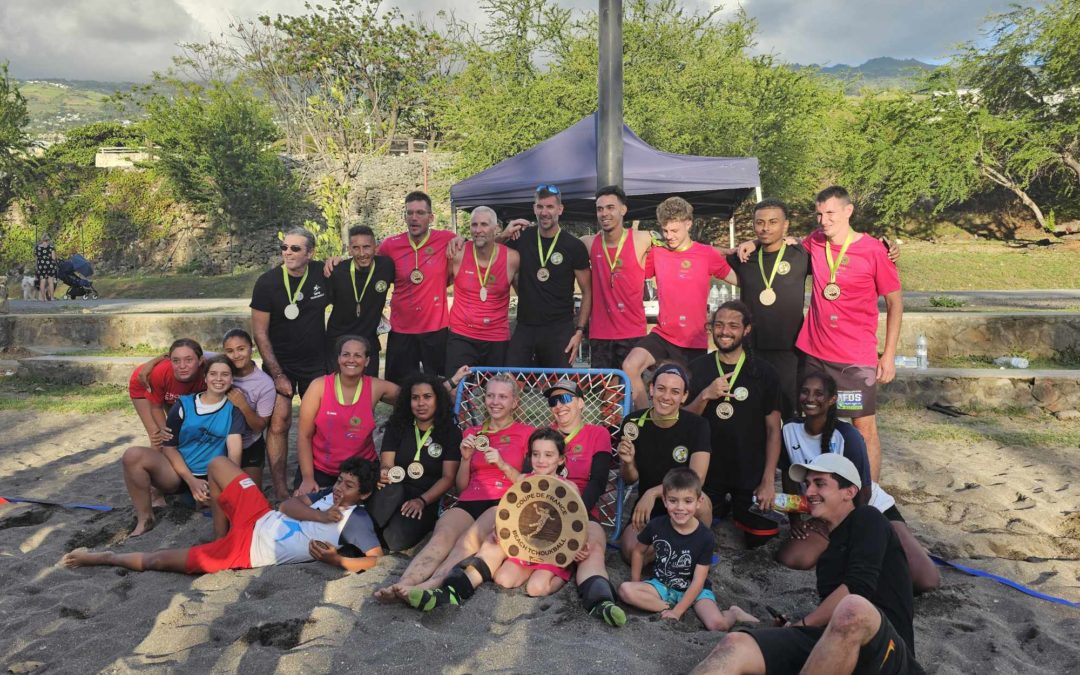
(773, 283)
(739, 394)
(547, 334)
(653, 441)
(358, 293)
(864, 622)
(288, 310)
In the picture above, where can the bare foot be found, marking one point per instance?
(739, 615)
(142, 527)
(82, 557)
(402, 591)
(157, 500)
(387, 594)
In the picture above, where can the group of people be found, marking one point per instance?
(708, 433)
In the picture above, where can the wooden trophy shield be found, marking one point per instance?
(542, 519)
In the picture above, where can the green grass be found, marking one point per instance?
(178, 286)
(20, 394)
(964, 266)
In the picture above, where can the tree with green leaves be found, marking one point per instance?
(14, 142)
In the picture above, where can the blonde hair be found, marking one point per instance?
(503, 378)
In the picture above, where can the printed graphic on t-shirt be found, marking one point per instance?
(676, 567)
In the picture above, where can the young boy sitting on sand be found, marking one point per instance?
(683, 549)
(328, 526)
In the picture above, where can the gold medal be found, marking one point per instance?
(396, 474)
(725, 410)
(631, 431)
(831, 291)
(417, 277)
(483, 295)
(416, 470)
(542, 274)
(767, 297)
(291, 311)
(481, 442)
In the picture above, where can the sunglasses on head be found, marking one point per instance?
(557, 399)
(553, 189)
(294, 248)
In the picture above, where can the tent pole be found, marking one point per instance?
(609, 141)
(453, 217)
(757, 194)
(731, 231)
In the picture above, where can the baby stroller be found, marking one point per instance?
(75, 272)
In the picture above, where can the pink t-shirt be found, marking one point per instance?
(618, 312)
(486, 481)
(343, 431)
(683, 280)
(482, 320)
(845, 330)
(418, 308)
(591, 440)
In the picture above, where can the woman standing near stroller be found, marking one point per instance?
(45, 255)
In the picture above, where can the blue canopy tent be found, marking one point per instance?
(714, 185)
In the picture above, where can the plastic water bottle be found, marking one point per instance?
(714, 299)
(1011, 362)
(921, 349)
(906, 362)
(724, 294)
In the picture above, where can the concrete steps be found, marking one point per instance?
(80, 369)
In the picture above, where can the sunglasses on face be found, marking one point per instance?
(553, 189)
(294, 248)
(557, 399)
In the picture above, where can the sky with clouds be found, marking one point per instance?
(128, 39)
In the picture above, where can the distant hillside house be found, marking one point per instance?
(120, 158)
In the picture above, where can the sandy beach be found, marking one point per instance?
(993, 492)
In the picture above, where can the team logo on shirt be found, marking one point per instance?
(380, 286)
(618, 262)
(740, 393)
(783, 268)
(680, 454)
(434, 451)
(577, 449)
(686, 264)
(845, 260)
(355, 421)
(556, 258)
(430, 250)
(504, 439)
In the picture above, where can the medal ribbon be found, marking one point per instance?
(416, 248)
(341, 396)
(291, 295)
(834, 266)
(775, 265)
(551, 249)
(610, 261)
(420, 440)
(645, 418)
(352, 276)
(571, 436)
(734, 373)
(487, 270)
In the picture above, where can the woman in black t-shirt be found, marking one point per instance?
(421, 451)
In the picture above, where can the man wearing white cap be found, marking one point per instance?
(864, 620)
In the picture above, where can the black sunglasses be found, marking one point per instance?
(553, 189)
(564, 399)
(294, 248)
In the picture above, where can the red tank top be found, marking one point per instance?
(342, 431)
(618, 312)
(472, 317)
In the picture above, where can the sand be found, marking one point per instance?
(1011, 510)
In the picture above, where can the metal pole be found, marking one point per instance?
(609, 145)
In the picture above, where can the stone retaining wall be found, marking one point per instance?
(954, 334)
(105, 331)
(1052, 391)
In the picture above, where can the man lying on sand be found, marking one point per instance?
(326, 526)
(864, 621)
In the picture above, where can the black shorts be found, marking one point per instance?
(856, 386)
(609, 354)
(786, 650)
(662, 350)
(476, 507)
(395, 531)
(254, 455)
(463, 351)
(408, 353)
(739, 507)
(300, 383)
(540, 346)
(323, 480)
(786, 364)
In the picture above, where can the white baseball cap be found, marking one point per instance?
(829, 462)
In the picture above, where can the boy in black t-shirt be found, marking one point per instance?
(864, 622)
(683, 547)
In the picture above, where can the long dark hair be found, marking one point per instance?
(830, 415)
(402, 417)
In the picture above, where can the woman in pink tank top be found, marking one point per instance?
(337, 417)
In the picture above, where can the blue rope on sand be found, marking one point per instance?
(1002, 580)
(27, 500)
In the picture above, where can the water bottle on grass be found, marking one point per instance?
(921, 353)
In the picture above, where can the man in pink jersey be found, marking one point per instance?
(483, 271)
(839, 336)
(617, 254)
(418, 309)
(683, 270)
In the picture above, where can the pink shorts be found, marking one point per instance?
(560, 572)
(243, 502)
